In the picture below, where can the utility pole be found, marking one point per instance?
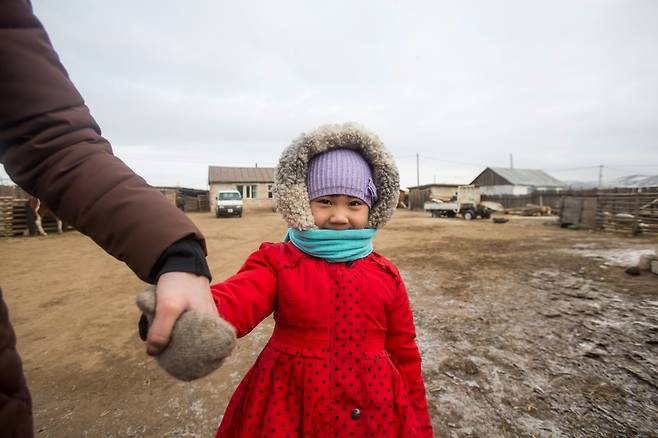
(601, 176)
(417, 169)
(511, 161)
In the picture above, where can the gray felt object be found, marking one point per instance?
(290, 191)
(199, 342)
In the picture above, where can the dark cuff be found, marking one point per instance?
(186, 255)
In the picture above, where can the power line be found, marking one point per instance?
(561, 169)
(619, 169)
(627, 168)
(634, 166)
(402, 157)
(453, 162)
(567, 169)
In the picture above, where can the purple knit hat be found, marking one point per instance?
(341, 172)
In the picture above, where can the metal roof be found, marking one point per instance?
(225, 174)
(426, 186)
(527, 177)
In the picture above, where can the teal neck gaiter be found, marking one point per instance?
(333, 245)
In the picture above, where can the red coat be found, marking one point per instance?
(342, 360)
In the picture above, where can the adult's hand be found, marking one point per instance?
(176, 293)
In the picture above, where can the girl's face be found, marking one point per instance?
(339, 212)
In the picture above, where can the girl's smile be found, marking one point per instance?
(339, 212)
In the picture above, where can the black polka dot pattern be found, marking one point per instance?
(325, 372)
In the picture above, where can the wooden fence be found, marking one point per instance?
(628, 210)
(189, 200)
(204, 202)
(417, 198)
(13, 192)
(636, 212)
(548, 198)
(197, 203)
(14, 217)
(632, 210)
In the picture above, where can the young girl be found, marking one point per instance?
(342, 361)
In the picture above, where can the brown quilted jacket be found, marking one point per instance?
(51, 146)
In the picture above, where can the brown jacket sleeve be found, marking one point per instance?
(52, 147)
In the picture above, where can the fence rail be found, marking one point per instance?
(635, 212)
(14, 217)
(632, 210)
(13, 192)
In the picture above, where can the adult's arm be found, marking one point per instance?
(52, 147)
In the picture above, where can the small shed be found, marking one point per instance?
(504, 181)
(418, 195)
(254, 183)
(187, 199)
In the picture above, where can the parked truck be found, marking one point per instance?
(466, 204)
(229, 203)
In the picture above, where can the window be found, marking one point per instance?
(269, 191)
(247, 192)
(228, 196)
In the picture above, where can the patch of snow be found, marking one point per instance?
(198, 409)
(613, 257)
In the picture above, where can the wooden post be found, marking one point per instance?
(636, 213)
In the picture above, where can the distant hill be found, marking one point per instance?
(624, 181)
(576, 185)
(637, 181)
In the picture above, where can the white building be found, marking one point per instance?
(254, 183)
(504, 181)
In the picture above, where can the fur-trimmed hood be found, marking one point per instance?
(290, 191)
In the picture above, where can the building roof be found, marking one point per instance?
(225, 174)
(426, 186)
(184, 190)
(527, 177)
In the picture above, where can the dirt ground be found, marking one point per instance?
(526, 329)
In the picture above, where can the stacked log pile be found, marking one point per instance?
(530, 210)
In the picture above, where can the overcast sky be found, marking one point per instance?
(176, 86)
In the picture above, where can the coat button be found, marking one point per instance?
(356, 414)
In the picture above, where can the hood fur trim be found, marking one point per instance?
(290, 192)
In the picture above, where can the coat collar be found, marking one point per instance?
(289, 256)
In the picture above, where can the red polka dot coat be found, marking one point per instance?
(342, 360)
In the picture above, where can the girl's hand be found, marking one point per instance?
(176, 292)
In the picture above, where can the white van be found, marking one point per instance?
(229, 202)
